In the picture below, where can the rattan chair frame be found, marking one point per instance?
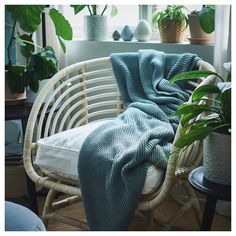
(84, 92)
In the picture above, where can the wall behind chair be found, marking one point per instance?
(84, 50)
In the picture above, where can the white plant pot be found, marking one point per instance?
(31, 96)
(95, 28)
(217, 158)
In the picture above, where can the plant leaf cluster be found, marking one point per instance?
(171, 12)
(93, 9)
(41, 63)
(209, 109)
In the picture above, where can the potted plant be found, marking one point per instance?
(95, 24)
(202, 25)
(171, 23)
(41, 63)
(208, 117)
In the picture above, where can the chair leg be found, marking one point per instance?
(48, 206)
(196, 206)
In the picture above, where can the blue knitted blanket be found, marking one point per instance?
(113, 160)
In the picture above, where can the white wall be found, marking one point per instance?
(83, 50)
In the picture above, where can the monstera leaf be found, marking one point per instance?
(28, 16)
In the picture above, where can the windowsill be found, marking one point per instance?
(139, 42)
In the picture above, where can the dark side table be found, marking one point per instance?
(213, 192)
(21, 112)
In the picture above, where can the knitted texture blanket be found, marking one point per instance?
(114, 158)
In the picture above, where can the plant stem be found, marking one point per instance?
(104, 10)
(90, 12)
(9, 48)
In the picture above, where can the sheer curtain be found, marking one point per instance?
(222, 54)
(222, 51)
(52, 40)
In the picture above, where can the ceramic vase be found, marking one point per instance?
(217, 158)
(116, 35)
(127, 33)
(143, 31)
(95, 28)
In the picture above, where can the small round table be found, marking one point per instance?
(213, 192)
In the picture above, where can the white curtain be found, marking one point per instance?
(52, 40)
(222, 51)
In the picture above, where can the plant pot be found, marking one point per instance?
(12, 99)
(197, 35)
(171, 31)
(217, 158)
(95, 28)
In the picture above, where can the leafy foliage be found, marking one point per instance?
(207, 19)
(93, 9)
(216, 109)
(172, 12)
(40, 65)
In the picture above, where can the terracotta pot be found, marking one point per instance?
(197, 35)
(12, 99)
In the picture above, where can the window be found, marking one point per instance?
(114, 23)
(135, 12)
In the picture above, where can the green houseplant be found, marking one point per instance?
(208, 117)
(95, 24)
(202, 25)
(171, 23)
(41, 63)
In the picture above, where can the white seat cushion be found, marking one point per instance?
(59, 154)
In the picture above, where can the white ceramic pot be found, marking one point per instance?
(217, 158)
(95, 28)
(143, 31)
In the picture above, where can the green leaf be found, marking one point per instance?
(62, 44)
(192, 75)
(193, 135)
(203, 91)
(34, 85)
(28, 16)
(15, 79)
(27, 48)
(224, 86)
(62, 26)
(78, 8)
(114, 10)
(191, 108)
(42, 65)
(187, 117)
(207, 19)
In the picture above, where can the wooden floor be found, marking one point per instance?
(187, 222)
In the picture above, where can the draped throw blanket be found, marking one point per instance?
(114, 158)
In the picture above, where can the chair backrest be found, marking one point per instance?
(85, 92)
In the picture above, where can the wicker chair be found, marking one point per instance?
(77, 95)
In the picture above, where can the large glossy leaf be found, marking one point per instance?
(15, 79)
(78, 8)
(63, 46)
(26, 48)
(192, 75)
(196, 134)
(224, 86)
(41, 66)
(204, 90)
(28, 16)
(191, 108)
(62, 26)
(207, 19)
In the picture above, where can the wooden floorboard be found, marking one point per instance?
(187, 222)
